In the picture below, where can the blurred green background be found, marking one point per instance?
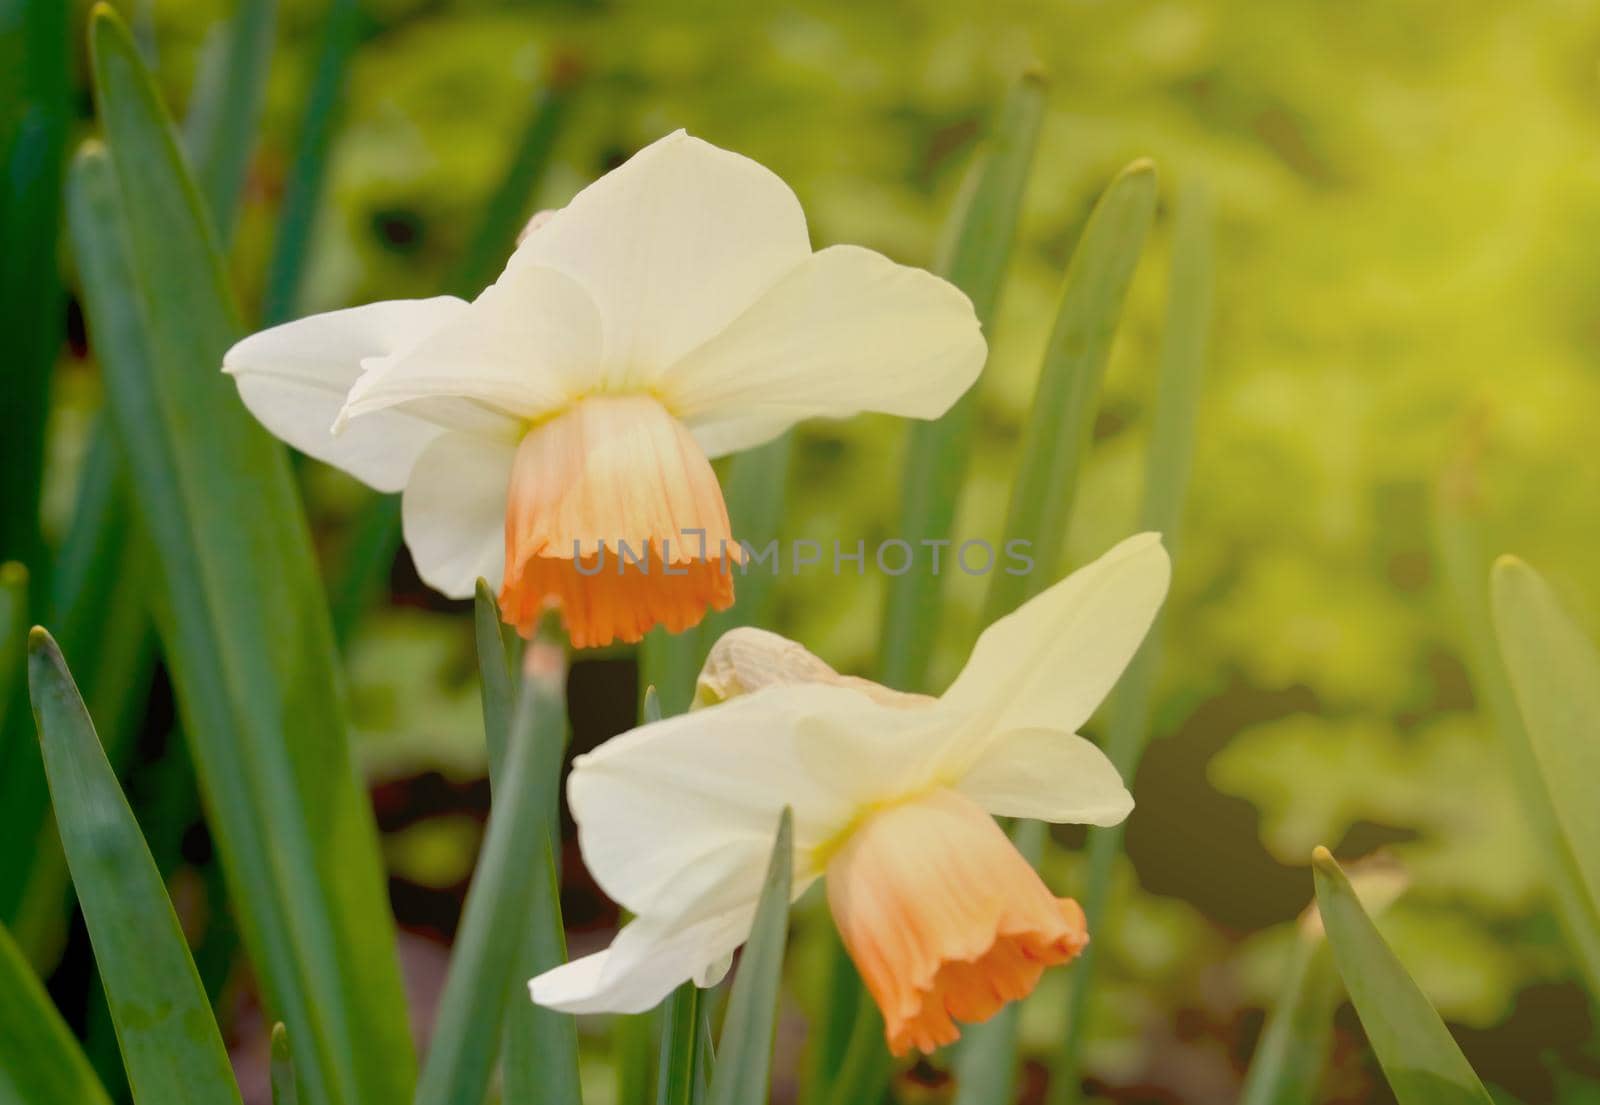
(1408, 200)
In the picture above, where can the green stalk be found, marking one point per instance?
(220, 132)
(937, 452)
(40, 1062)
(472, 1008)
(303, 193)
(1186, 338)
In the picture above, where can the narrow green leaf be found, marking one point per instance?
(539, 1047)
(361, 574)
(1555, 671)
(35, 111)
(651, 709)
(1184, 345)
(1419, 1058)
(754, 490)
(13, 634)
(169, 1039)
(303, 193)
(472, 1008)
(220, 131)
(1061, 420)
(866, 1067)
(284, 1090)
(937, 452)
(245, 631)
(1458, 543)
(744, 1057)
(1287, 1066)
(681, 1047)
(632, 1049)
(40, 1062)
(507, 209)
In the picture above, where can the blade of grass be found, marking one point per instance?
(1185, 341)
(169, 1039)
(507, 209)
(471, 1014)
(744, 1057)
(937, 452)
(1419, 1058)
(678, 1072)
(1458, 543)
(35, 91)
(40, 1062)
(1288, 1061)
(281, 1070)
(247, 636)
(1555, 672)
(1061, 420)
(362, 571)
(98, 600)
(220, 131)
(13, 634)
(539, 1047)
(303, 191)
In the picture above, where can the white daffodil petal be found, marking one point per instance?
(672, 246)
(527, 346)
(648, 960)
(677, 817)
(295, 378)
(454, 511)
(1050, 776)
(1051, 662)
(845, 332)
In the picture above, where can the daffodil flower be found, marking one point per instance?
(672, 312)
(892, 796)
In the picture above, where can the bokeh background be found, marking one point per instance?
(1408, 321)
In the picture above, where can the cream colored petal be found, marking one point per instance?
(847, 331)
(1050, 776)
(1050, 663)
(677, 817)
(672, 246)
(747, 659)
(526, 347)
(454, 511)
(295, 377)
(647, 961)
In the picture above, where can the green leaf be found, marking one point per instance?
(169, 1039)
(297, 217)
(1459, 546)
(242, 621)
(472, 1007)
(1061, 420)
(220, 132)
(539, 1047)
(284, 1090)
(678, 1072)
(1555, 671)
(507, 209)
(669, 664)
(40, 1062)
(1419, 1058)
(1287, 1066)
(744, 1057)
(35, 110)
(937, 452)
(1184, 345)
(13, 635)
